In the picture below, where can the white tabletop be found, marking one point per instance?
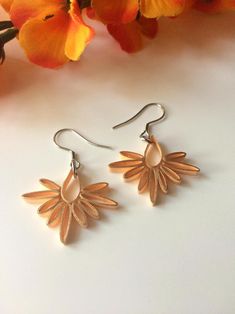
(177, 257)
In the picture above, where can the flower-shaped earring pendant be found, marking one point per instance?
(70, 201)
(153, 176)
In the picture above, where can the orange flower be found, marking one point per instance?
(130, 36)
(125, 11)
(52, 32)
(214, 6)
(112, 12)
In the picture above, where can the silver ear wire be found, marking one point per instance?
(145, 135)
(75, 164)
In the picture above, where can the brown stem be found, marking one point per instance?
(4, 38)
(5, 24)
(8, 35)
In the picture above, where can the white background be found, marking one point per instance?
(176, 258)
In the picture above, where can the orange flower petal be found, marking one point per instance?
(79, 34)
(129, 35)
(6, 4)
(22, 10)
(158, 8)
(149, 27)
(44, 40)
(111, 12)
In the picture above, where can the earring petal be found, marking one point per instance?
(41, 195)
(55, 216)
(176, 155)
(90, 209)
(126, 164)
(99, 200)
(133, 172)
(162, 182)
(79, 215)
(48, 206)
(131, 155)
(144, 180)
(49, 184)
(153, 185)
(65, 223)
(96, 188)
(61, 210)
(183, 167)
(154, 177)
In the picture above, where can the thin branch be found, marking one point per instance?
(5, 24)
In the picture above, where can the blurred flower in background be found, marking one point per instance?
(53, 32)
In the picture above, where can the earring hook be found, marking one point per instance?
(146, 133)
(75, 164)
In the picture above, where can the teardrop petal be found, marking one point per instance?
(153, 148)
(67, 180)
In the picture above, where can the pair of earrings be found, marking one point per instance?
(61, 207)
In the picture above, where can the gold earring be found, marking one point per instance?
(58, 204)
(153, 177)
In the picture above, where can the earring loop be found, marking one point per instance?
(145, 135)
(75, 163)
